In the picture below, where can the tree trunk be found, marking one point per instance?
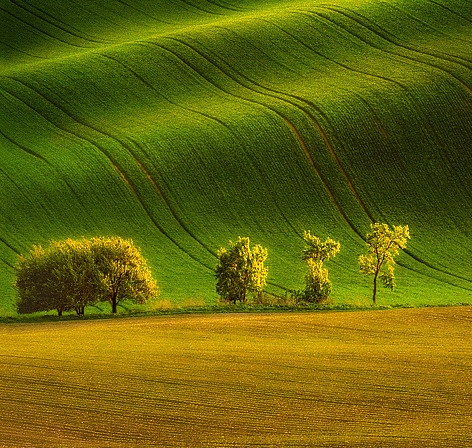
(374, 299)
(114, 303)
(59, 312)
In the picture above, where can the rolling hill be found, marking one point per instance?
(186, 123)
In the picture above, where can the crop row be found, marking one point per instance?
(205, 381)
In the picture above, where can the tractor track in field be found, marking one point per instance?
(111, 160)
(235, 76)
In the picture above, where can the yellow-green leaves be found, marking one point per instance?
(72, 274)
(383, 246)
(318, 250)
(317, 284)
(240, 269)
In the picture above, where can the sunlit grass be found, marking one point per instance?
(187, 124)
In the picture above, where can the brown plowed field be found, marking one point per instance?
(396, 378)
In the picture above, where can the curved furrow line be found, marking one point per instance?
(228, 92)
(447, 8)
(329, 146)
(192, 6)
(376, 76)
(172, 211)
(251, 43)
(225, 5)
(381, 32)
(275, 111)
(282, 96)
(392, 39)
(14, 250)
(426, 24)
(148, 176)
(320, 112)
(393, 53)
(104, 17)
(432, 275)
(23, 52)
(111, 160)
(383, 131)
(144, 12)
(404, 88)
(50, 20)
(212, 118)
(39, 156)
(6, 262)
(159, 93)
(318, 172)
(41, 31)
(429, 265)
(277, 95)
(402, 56)
(338, 63)
(24, 148)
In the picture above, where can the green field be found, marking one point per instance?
(394, 378)
(185, 124)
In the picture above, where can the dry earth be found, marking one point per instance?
(394, 378)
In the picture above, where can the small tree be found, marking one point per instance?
(317, 284)
(240, 269)
(383, 246)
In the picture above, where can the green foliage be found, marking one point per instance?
(318, 250)
(73, 274)
(240, 270)
(318, 287)
(122, 271)
(184, 123)
(383, 246)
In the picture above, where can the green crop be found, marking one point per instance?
(188, 124)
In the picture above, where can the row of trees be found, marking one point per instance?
(241, 268)
(70, 275)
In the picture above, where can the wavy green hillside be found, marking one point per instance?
(187, 123)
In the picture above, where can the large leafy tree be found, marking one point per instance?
(318, 287)
(36, 291)
(240, 269)
(72, 274)
(383, 244)
(60, 276)
(123, 272)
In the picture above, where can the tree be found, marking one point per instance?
(57, 277)
(317, 284)
(35, 288)
(240, 269)
(72, 274)
(383, 246)
(123, 272)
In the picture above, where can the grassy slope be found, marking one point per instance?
(384, 378)
(186, 125)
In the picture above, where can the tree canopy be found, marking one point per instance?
(318, 287)
(383, 244)
(72, 274)
(240, 269)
